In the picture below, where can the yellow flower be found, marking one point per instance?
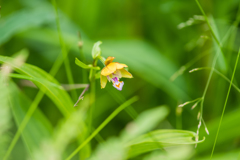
(113, 71)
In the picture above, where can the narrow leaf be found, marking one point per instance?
(83, 65)
(159, 139)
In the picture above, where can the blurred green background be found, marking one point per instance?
(155, 39)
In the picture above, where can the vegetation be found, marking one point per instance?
(117, 80)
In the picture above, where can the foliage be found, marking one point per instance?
(51, 102)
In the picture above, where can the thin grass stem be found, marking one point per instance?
(64, 52)
(82, 58)
(214, 60)
(208, 23)
(225, 104)
(103, 124)
(92, 93)
(220, 74)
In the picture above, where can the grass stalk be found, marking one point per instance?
(220, 74)
(82, 58)
(225, 104)
(92, 93)
(214, 60)
(64, 52)
(103, 124)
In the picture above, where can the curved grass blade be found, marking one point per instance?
(56, 94)
(163, 138)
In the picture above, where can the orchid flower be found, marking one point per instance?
(113, 71)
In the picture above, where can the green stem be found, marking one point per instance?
(178, 117)
(207, 85)
(64, 52)
(109, 118)
(220, 74)
(225, 104)
(92, 93)
(214, 61)
(82, 58)
(208, 23)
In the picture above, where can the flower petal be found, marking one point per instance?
(117, 74)
(125, 73)
(103, 81)
(109, 78)
(120, 65)
(118, 85)
(109, 60)
(108, 69)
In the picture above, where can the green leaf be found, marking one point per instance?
(159, 139)
(45, 82)
(23, 20)
(181, 152)
(83, 65)
(33, 79)
(38, 128)
(96, 51)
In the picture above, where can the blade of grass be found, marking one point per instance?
(92, 98)
(33, 107)
(234, 34)
(109, 118)
(225, 104)
(165, 138)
